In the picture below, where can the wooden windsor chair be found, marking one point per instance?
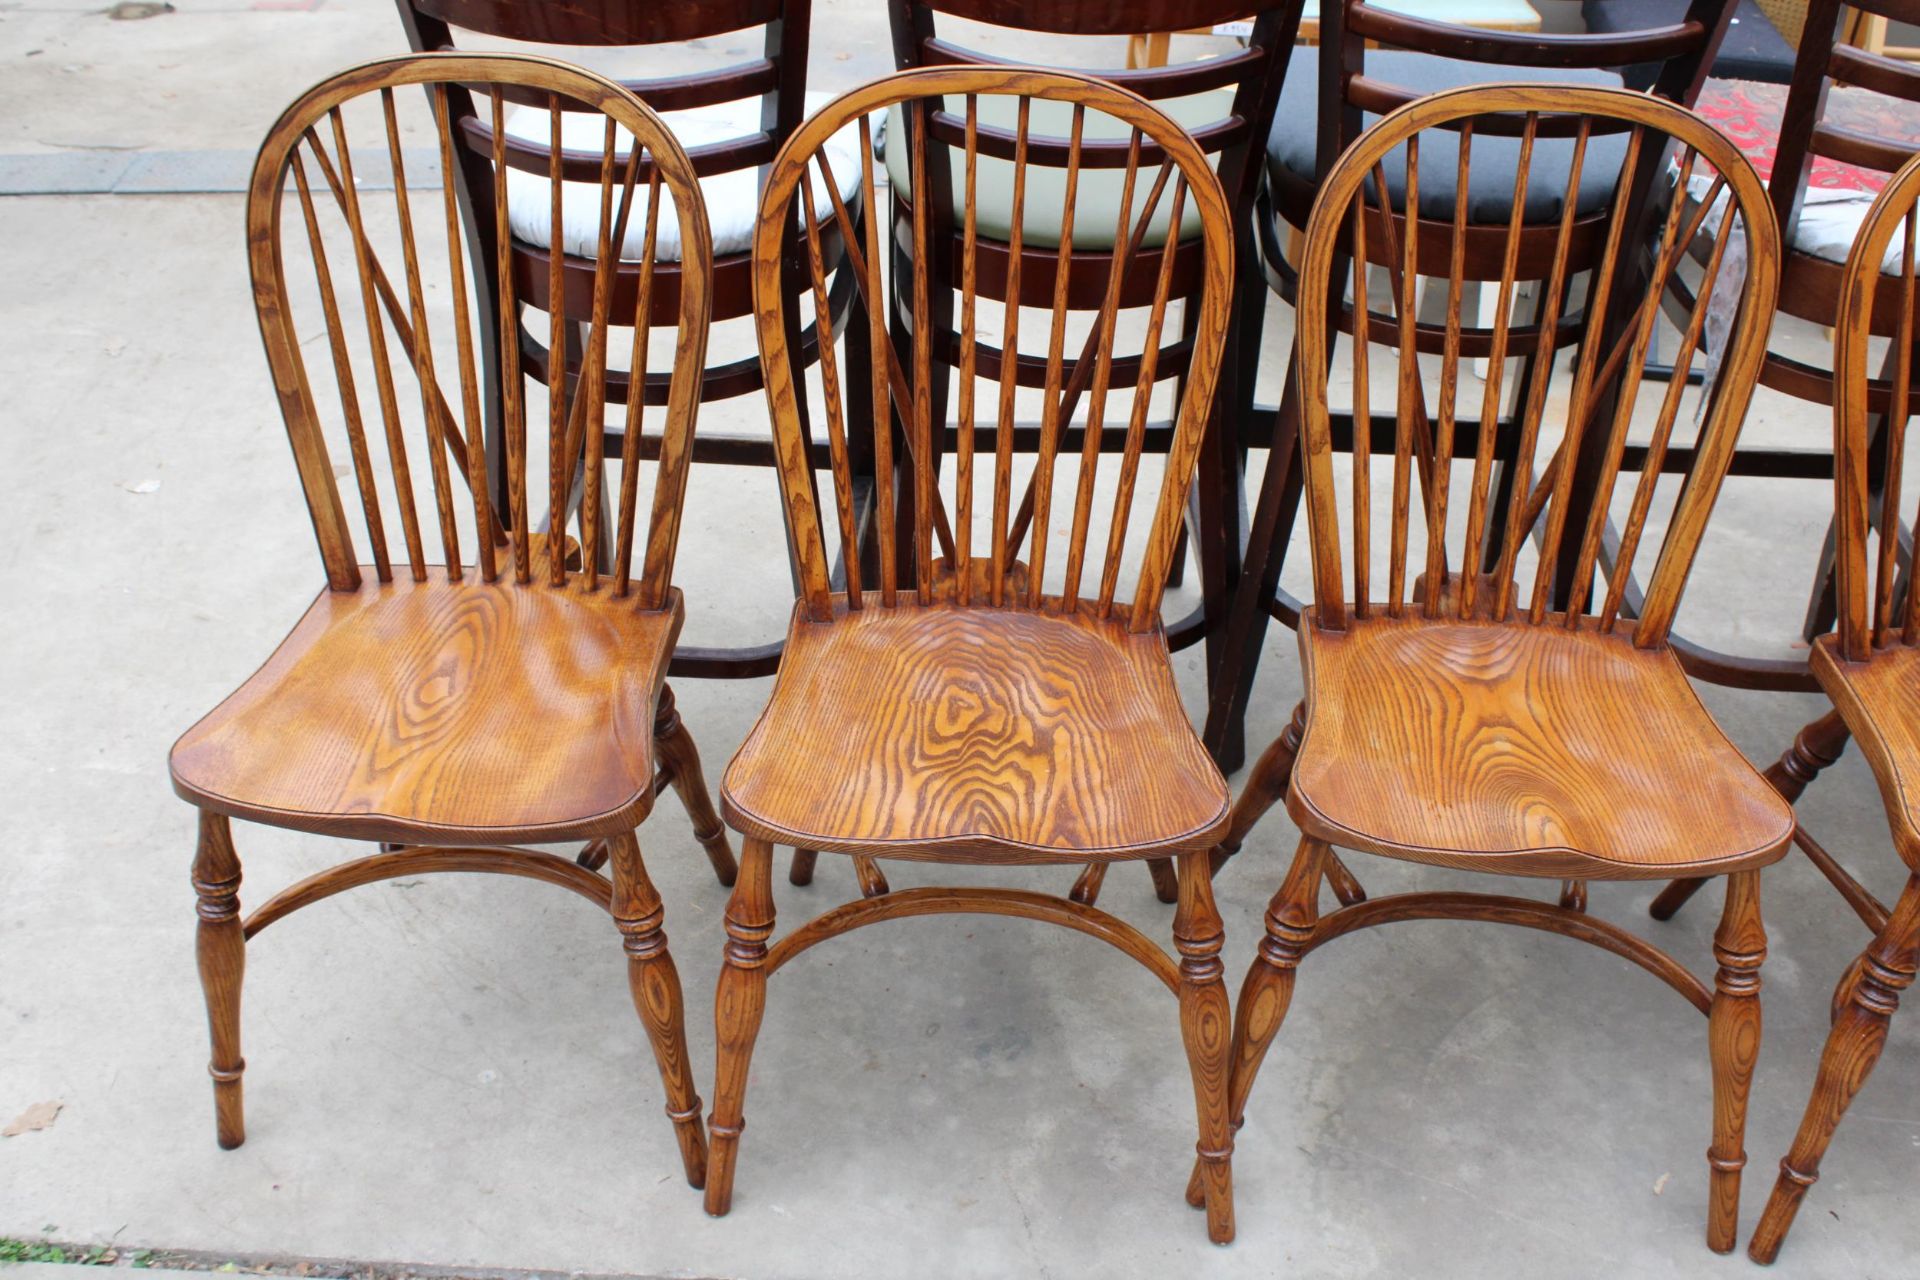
(731, 119)
(1465, 723)
(1816, 242)
(1870, 667)
(995, 711)
(1370, 61)
(452, 710)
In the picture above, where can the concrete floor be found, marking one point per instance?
(448, 1072)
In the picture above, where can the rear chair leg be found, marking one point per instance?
(1268, 989)
(681, 760)
(1853, 1046)
(737, 1006)
(1265, 786)
(1733, 1037)
(222, 948)
(655, 984)
(1814, 748)
(800, 872)
(1206, 1025)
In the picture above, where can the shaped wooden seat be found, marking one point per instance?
(996, 735)
(1507, 751)
(1009, 702)
(365, 720)
(1869, 667)
(449, 709)
(1467, 722)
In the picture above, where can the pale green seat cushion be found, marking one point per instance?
(1096, 204)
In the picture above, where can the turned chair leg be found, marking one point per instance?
(1859, 1032)
(1733, 1037)
(1166, 881)
(737, 1006)
(800, 871)
(655, 984)
(1206, 1026)
(1265, 786)
(1814, 748)
(680, 760)
(222, 947)
(1267, 990)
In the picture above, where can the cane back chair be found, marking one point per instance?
(1453, 717)
(731, 119)
(1372, 60)
(452, 710)
(995, 710)
(1870, 667)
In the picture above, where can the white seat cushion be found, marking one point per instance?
(1830, 219)
(732, 199)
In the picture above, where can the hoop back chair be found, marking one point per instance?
(1372, 60)
(731, 120)
(1869, 666)
(450, 707)
(994, 708)
(1453, 716)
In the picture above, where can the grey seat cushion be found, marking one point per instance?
(1494, 160)
(1753, 48)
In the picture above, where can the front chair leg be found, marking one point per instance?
(1206, 1025)
(655, 984)
(222, 946)
(1267, 990)
(681, 760)
(1733, 1036)
(1853, 1046)
(737, 1006)
(1814, 748)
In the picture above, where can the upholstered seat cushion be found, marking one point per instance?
(732, 199)
(1753, 48)
(1096, 203)
(1290, 147)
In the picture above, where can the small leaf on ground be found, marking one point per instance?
(40, 1115)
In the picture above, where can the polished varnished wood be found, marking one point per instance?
(1500, 256)
(992, 685)
(513, 689)
(1870, 668)
(952, 732)
(1453, 716)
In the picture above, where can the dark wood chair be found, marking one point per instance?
(731, 120)
(1754, 49)
(1370, 61)
(452, 710)
(1453, 716)
(1870, 666)
(1227, 104)
(1816, 241)
(1012, 703)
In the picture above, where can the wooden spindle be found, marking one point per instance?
(559, 462)
(1050, 424)
(633, 430)
(1449, 388)
(969, 359)
(343, 374)
(593, 381)
(476, 453)
(1411, 397)
(921, 410)
(830, 389)
(382, 368)
(1897, 415)
(881, 350)
(1009, 359)
(515, 395)
(1362, 411)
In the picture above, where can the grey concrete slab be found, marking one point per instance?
(448, 1072)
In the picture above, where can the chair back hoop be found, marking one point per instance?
(1824, 60)
(1877, 605)
(1520, 515)
(1684, 50)
(639, 168)
(802, 188)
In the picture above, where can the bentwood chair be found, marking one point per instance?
(1453, 717)
(451, 710)
(1002, 709)
(1870, 666)
(1818, 231)
(1371, 60)
(731, 118)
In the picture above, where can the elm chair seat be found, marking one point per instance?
(731, 198)
(1096, 203)
(1290, 147)
(1753, 48)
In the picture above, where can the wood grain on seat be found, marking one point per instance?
(1008, 735)
(1482, 744)
(1880, 701)
(443, 710)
